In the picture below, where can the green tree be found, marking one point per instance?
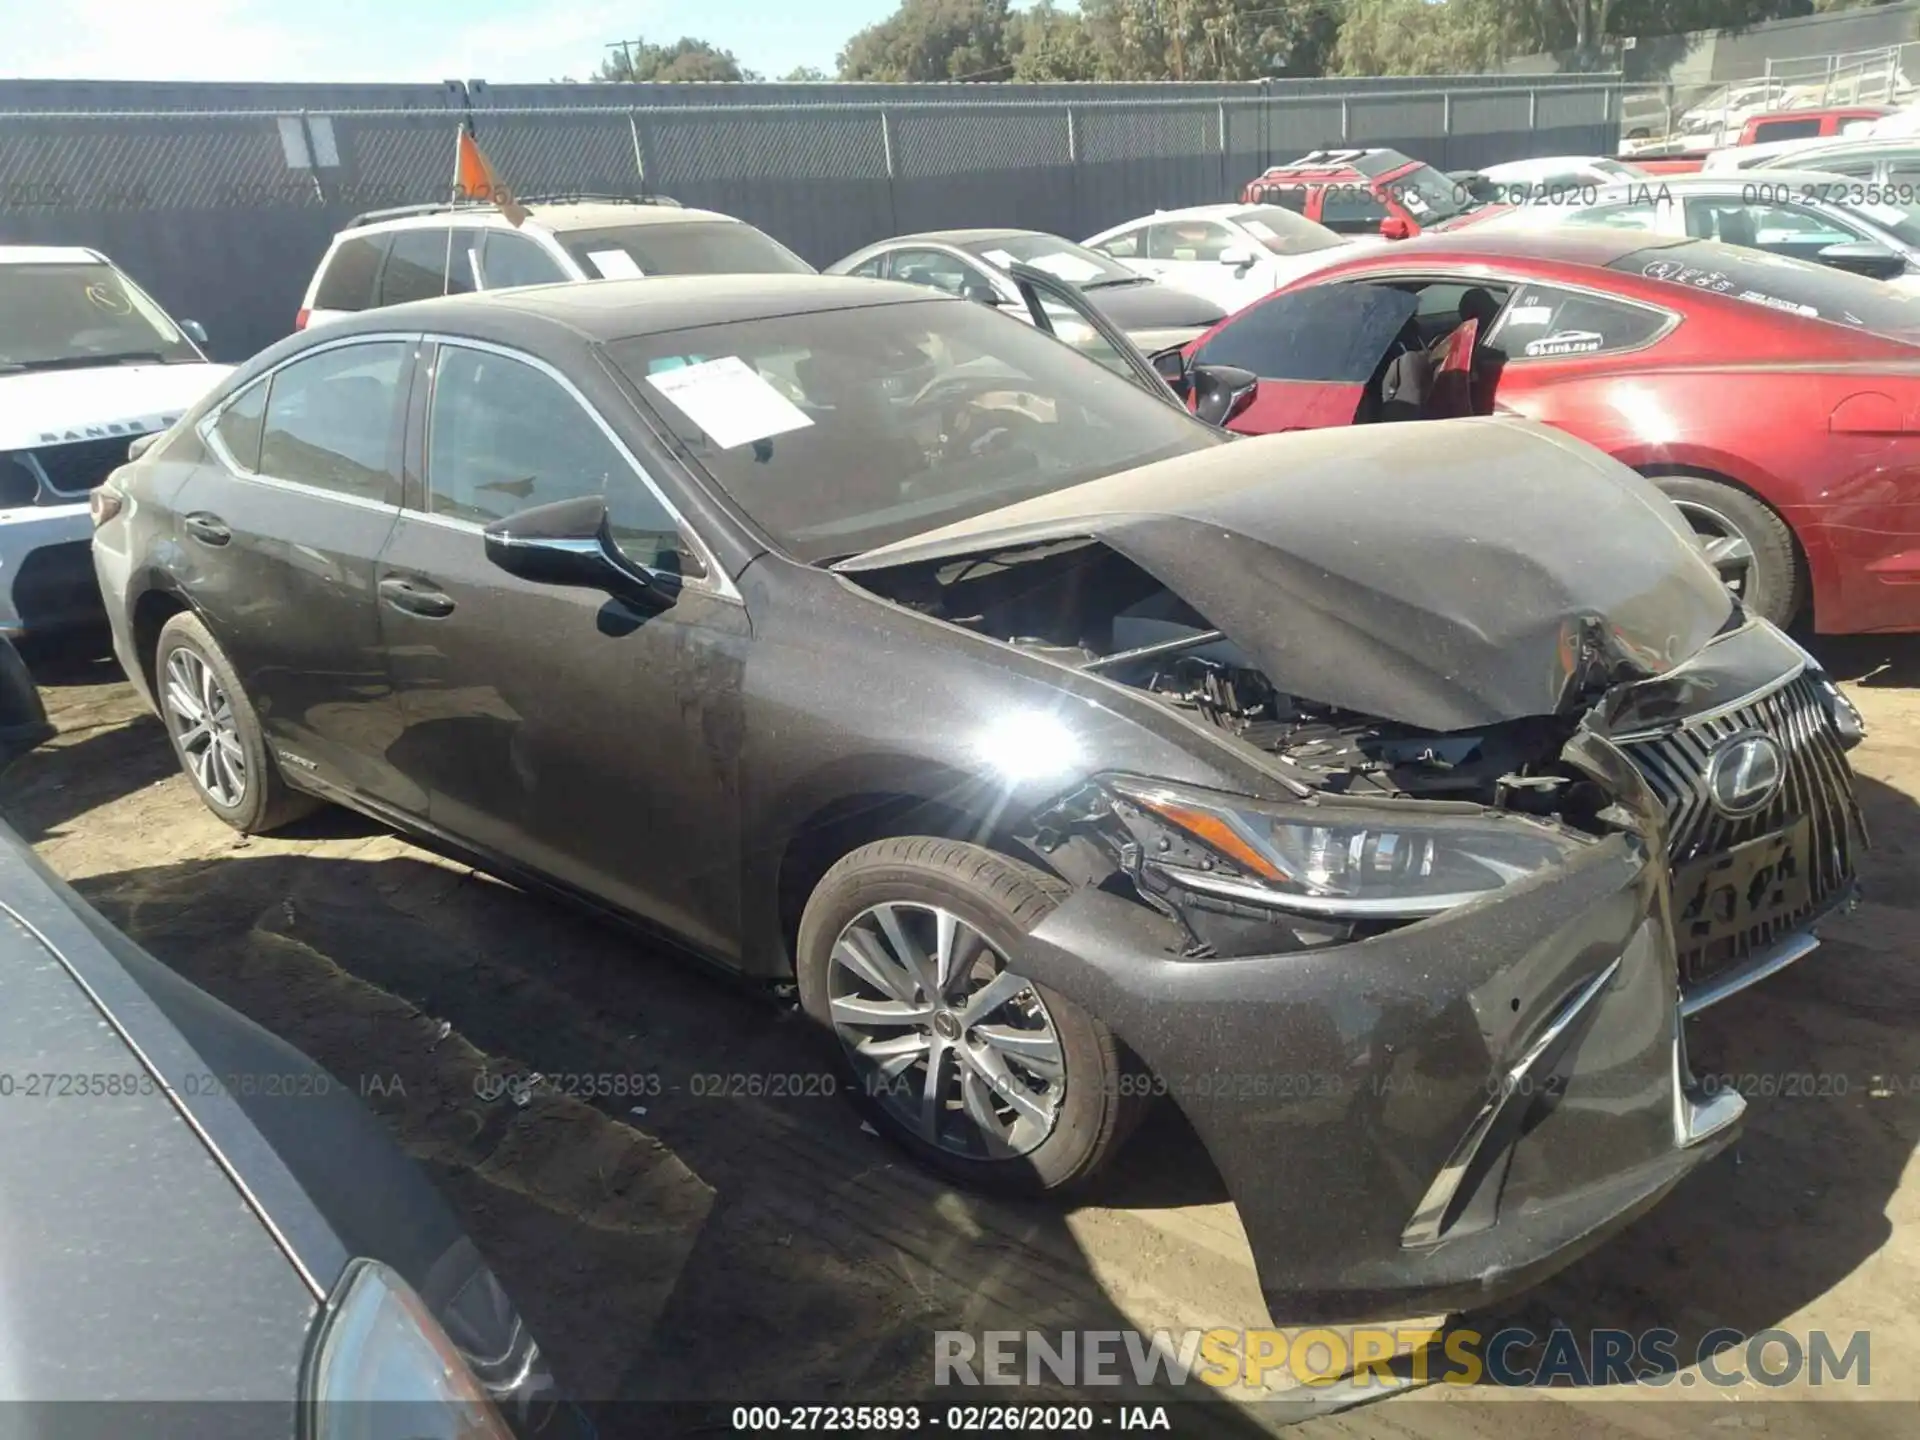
(1046, 43)
(804, 73)
(685, 59)
(932, 40)
(1212, 39)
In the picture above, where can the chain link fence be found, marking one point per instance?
(223, 214)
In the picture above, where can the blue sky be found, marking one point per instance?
(401, 40)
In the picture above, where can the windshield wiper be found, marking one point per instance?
(77, 362)
(1116, 280)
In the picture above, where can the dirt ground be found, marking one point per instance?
(673, 1239)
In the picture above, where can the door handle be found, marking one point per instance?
(208, 529)
(415, 599)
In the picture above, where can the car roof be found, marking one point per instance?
(558, 219)
(1818, 112)
(50, 255)
(608, 310)
(1594, 245)
(1728, 179)
(1319, 165)
(1543, 162)
(960, 237)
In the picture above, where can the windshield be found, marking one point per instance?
(1072, 263)
(1430, 196)
(846, 429)
(1285, 232)
(76, 314)
(680, 247)
(1793, 286)
(1893, 208)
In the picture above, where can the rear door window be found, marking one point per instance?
(1326, 334)
(330, 420)
(350, 273)
(1769, 130)
(507, 260)
(1351, 209)
(1127, 245)
(1545, 322)
(1203, 240)
(416, 266)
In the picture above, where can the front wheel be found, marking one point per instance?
(909, 955)
(1745, 541)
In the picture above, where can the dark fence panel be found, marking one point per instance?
(222, 198)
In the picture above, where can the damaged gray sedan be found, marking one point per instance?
(1066, 752)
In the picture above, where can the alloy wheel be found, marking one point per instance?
(955, 1046)
(1721, 541)
(201, 718)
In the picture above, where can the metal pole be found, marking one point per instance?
(1346, 121)
(639, 156)
(313, 157)
(1533, 108)
(886, 142)
(1446, 112)
(1073, 139)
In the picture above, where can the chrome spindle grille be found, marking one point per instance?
(1817, 787)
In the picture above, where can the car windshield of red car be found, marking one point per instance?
(1793, 287)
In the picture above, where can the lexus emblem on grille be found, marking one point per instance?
(1743, 773)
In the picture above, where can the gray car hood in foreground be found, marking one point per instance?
(1445, 574)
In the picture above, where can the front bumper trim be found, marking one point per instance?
(1758, 967)
(1430, 1216)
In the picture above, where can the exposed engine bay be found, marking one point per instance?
(1084, 605)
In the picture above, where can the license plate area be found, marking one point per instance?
(1728, 894)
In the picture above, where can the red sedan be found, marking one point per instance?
(1776, 402)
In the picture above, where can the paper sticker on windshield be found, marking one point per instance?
(997, 257)
(729, 401)
(1530, 315)
(1565, 342)
(1260, 228)
(615, 265)
(108, 298)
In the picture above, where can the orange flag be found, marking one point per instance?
(473, 179)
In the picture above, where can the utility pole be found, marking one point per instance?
(625, 47)
(1179, 38)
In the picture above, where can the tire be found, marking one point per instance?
(1099, 1097)
(1774, 585)
(260, 801)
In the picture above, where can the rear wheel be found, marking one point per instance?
(216, 735)
(909, 955)
(1745, 541)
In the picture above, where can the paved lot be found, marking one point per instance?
(675, 1242)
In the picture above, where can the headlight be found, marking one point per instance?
(1324, 860)
(381, 1368)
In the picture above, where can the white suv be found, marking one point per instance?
(389, 257)
(88, 364)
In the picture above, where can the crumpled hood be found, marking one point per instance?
(51, 407)
(1443, 574)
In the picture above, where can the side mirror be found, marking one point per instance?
(1171, 366)
(1235, 258)
(1394, 227)
(1221, 392)
(1863, 257)
(194, 331)
(571, 543)
(980, 293)
(143, 444)
(23, 718)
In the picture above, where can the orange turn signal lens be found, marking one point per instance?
(1214, 831)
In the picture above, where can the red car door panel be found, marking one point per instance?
(1297, 405)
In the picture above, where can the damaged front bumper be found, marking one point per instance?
(1442, 1114)
(1433, 1118)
